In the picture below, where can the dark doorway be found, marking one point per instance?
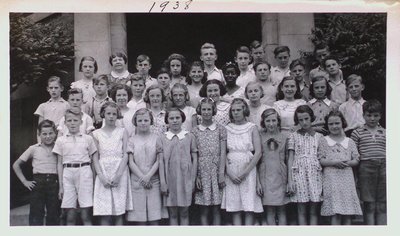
(158, 35)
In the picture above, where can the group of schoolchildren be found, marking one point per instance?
(247, 143)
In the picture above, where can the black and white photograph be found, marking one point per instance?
(179, 113)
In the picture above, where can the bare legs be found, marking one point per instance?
(178, 215)
(302, 213)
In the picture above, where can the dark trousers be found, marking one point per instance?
(44, 200)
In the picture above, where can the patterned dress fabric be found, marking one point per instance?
(339, 189)
(306, 169)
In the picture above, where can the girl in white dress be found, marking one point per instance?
(240, 194)
(112, 194)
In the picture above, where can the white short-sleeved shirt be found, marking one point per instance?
(215, 73)
(87, 89)
(85, 128)
(52, 110)
(277, 74)
(43, 160)
(245, 78)
(75, 148)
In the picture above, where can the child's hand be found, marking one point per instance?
(198, 184)
(29, 184)
(164, 190)
(104, 181)
(341, 164)
(259, 189)
(290, 188)
(60, 193)
(221, 182)
(115, 180)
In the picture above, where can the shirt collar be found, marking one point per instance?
(339, 82)
(213, 69)
(59, 100)
(180, 135)
(79, 134)
(352, 101)
(124, 75)
(212, 127)
(380, 128)
(344, 143)
(326, 101)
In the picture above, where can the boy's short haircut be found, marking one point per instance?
(73, 112)
(47, 124)
(260, 63)
(330, 57)
(102, 77)
(281, 49)
(372, 106)
(163, 70)
(88, 58)
(142, 58)
(255, 44)
(321, 46)
(75, 91)
(136, 77)
(208, 46)
(117, 87)
(118, 54)
(243, 49)
(55, 79)
(297, 62)
(352, 78)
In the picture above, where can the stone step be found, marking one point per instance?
(19, 216)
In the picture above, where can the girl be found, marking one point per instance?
(273, 169)
(121, 94)
(214, 89)
(254, 93)
(231, 73)
(262, 70)
(164, 81)
(88, 67)
(195, 79)
(297, 69)
(112, 188)
(178, 167)
(338, 154)
(305, 176)
(179, 97)
(176, 64)
(145, 150)
(240, 196)
(288, 99)
(320, 102)
(211, 140)
(154, 98)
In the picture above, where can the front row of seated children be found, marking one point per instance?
(234, 168)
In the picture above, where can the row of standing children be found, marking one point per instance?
(288, 89)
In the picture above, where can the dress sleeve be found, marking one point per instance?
(222, 133)
(193, 143)
(91, 145)
(354, 151)
(57, 149)
(39, 111)
(321, 153)
(159, 146)
(290, 141)
(131, 146)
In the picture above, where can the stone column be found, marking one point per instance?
(118, 33)
(92, 38)
(269, 31)
(294, 32)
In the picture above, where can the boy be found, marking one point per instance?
(321, 51)
(143, 66)
(262, 71)
(44, 187)
(100, 86)
(54, 108)
(257, 53)
(282, 57)
(75, 101)
(297, 69)
(352, 109)
(371, 142)
(335, 78)
(119, 73)
(242, 59)
(74, 151)
(208, 55)
(137, 87)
